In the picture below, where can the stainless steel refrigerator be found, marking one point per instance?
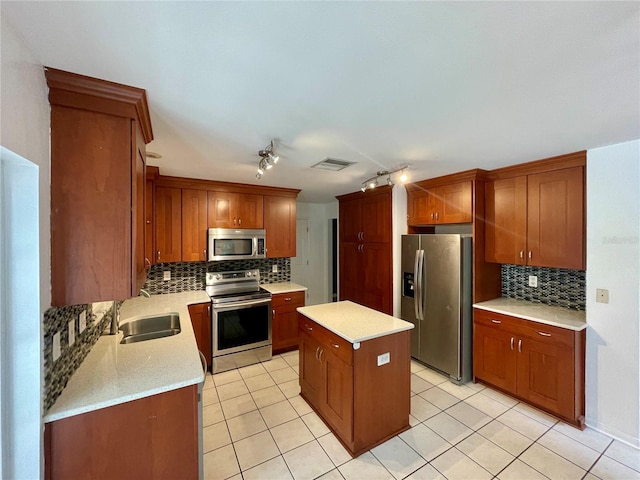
(436, 298)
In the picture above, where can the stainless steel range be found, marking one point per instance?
(240, 319)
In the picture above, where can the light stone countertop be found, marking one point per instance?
(537, 312)
(283, 287)
(112, 373)
(355, 323)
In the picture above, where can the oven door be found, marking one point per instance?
(239, 326)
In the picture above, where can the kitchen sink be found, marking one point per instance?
(148, 328)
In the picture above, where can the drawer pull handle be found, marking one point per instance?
(521, 255)
(288, 299)
(544, 334)
(318, 353)
(496, 321)
(308, 327)
(511, 343)
(335, 345)
(519, 345)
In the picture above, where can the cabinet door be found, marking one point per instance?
(374, 276)
(311, 371)
(349, 271)
(139, 220)
(453, 203)
(546, 374)
(250, 211)
(555, 219)
(194, 225)
(200, 314)
(168, 224)
(506, 226)
(221, 210)
(350, 220)
(419, 206)
(280, 226)
(284, 323)
(337, 400)
(375, 211)
(494, 357)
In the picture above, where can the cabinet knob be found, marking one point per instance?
(521, 254)
(273, 312)
(235, 222)
(204, 253)
(437, 216)
(239, 221)
(308, 328)
(158, 255)
(287, 299)
(520, 345)
(335, 345)
(530, 254)
(146, 260)
(431, 215)
(511, 343)
(496, 321)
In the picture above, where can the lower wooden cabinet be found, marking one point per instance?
(363, 403)
(201, 320)
(540, 364)
(284, 323)
(152, 437)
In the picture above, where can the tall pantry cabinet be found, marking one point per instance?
(98, 134)
(365, 246)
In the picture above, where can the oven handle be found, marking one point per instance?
(248, 303)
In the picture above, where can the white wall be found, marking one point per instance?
(613, 263)
(399, 212)
(318, 279)
(24, 123)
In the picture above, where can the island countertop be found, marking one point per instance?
(113, 373)
(536, 312)
(355, 323)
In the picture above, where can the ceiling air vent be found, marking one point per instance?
(332, 164)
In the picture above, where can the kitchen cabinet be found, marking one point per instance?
(152, 437)
(537, 219)
(98, 134)
(341, 381)
(235, 210)
(441, 204)
(365, 249)
(200, 314)
(540, 364)
(168, 224)
(194, 225)
(280, 226)
(284, 322)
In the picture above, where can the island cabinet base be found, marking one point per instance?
(363, 403)
(154, 437)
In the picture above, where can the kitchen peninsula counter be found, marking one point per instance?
(347, 352)
(113, 373)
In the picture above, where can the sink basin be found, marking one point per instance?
(149, 328)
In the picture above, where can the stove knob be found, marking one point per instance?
(249, 274)
(218, 277)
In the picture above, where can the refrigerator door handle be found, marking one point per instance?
(418, 273)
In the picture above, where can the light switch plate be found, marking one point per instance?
(602, 295)
(383, 359)
(274, 268)
(533, 281)
(72, 332)
(83, 321)
(166, 275)
(56, 346)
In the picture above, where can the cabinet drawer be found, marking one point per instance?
(327, 339)
(285, 299)
(518, 326)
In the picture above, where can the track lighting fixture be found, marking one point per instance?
(372, 182)
(267, 160)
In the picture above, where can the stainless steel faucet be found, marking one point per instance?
(115, 319)
(144, 293)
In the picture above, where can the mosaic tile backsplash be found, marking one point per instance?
(186, 276)
(57, 373)
(556, 286)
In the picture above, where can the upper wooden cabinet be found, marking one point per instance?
(280, 226)
(235, 210)
(432, 205)
(168, 224)
(98, 135)
(194, 225)
(537, 219)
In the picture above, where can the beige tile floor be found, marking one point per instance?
(256, 426)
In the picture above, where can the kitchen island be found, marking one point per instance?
(355, 371)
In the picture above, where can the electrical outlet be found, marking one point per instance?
(274, 268)
(56, 346)
(384, 359)
(166, 275)
(82, 321)
(533, 281)
(72, 332)
(602, 295)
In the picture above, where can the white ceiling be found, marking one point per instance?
(442, 86)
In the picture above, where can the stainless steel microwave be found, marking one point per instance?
(235, 244)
